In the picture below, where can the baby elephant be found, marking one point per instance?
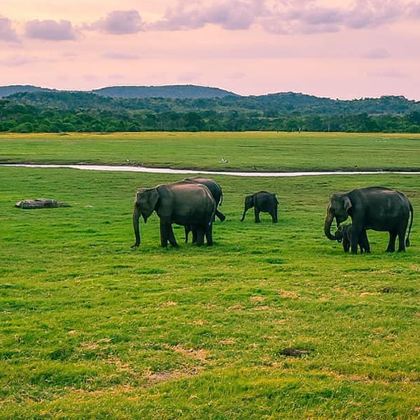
(343, 234)
(261, 201)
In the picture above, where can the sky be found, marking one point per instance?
(338, 49)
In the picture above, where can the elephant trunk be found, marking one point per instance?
(327, 226)
(245, 210)
(136, 216)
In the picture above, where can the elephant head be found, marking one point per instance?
(338, 208)
(145, 204)
(249, 203)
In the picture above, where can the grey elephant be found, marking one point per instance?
(376, 208)
(217, 193)
(261, 201)
(183, 203)
(343, 235)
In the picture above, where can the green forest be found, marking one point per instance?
(55, 111)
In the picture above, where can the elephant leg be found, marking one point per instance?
(194, 234)
(364, 242)
(163, 234)
(209, 234)
(391, 243)
(355, 239)
(257, 215)
(187, 231)
(171, 236)
(200, 236)
(220, 215)
(346, 245)
(274, 215)
(401, 240)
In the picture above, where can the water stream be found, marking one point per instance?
(144, 169)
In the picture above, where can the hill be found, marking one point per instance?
(12, 89)
(169, 91)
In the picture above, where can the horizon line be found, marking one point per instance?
(211, 87)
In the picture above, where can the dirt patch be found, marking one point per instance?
(227, 342)
(168, 303)
(196, 354)
(170, 375)
(257, 299)
(288, 294)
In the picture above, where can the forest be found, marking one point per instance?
(60, 111)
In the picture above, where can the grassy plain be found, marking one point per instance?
(247, 151)
(91, 328)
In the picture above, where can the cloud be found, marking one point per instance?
(282, 17)
(120, 22)
(232, 15)
(312, 17)
(115, 55)
(50, 30)
(17, 60)
(377, 54)
(7, 33)
(391, 73)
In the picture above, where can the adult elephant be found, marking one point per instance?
(262, 201)
(214, 188)
(217, 193)
(374, 208)
(183, 203)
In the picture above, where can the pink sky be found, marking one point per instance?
(340, 49)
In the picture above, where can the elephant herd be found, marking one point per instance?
(193, 203)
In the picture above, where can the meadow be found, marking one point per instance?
(92, 328)
(262, 151)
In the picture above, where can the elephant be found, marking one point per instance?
(183, 203)
(217, 193)
(376, 208)
(261, 201)
(343, 234)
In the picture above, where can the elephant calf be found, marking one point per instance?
(262, 201)
(343, 235)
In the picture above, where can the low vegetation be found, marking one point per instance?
(273, 321)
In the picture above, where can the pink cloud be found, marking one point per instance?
(7, 33)
(50, 30)
(377, 54)
(232, 15)
(120, 22)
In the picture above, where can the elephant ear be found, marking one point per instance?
(347, 204)
(148, 200)
(249, 200)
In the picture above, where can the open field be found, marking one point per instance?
(262, 151)
(90, 328)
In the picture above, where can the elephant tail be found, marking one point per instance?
(407, 241)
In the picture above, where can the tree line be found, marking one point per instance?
(83, 112)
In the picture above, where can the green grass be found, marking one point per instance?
(248, 151)
(90, 328)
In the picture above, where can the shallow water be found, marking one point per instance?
(144, 169)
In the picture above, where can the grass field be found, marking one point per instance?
(91, 328)
(247, 151)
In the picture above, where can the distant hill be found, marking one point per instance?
(169, 91)
(12, 89)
